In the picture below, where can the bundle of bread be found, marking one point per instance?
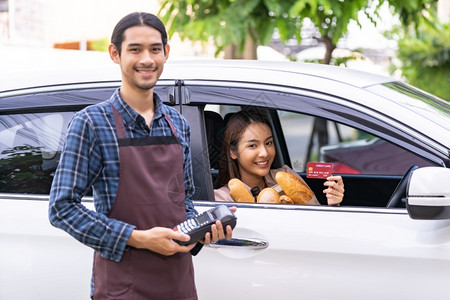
(296, 191)
(270, 195)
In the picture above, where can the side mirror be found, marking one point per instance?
(428, 194)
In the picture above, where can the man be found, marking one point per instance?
(134, 152)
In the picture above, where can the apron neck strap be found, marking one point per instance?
(120, 127)
(172, 128)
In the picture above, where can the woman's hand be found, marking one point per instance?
(334, 190)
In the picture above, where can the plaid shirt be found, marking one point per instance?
(90, 158)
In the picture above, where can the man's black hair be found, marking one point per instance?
(137, 19)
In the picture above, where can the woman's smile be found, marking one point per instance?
(262, 163)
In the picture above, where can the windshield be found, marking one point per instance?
(427, 105)
(433, 108)
(420, 111)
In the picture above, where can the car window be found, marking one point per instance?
(352, 151)
(30, 146)
(315, 139)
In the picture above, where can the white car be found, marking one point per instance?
(379, 244)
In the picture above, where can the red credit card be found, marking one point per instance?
(318, 170)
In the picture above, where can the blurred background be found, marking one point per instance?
(408, 39)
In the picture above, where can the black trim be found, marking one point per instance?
(419, 212)
(149, 140)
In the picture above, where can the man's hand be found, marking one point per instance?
(159, 240)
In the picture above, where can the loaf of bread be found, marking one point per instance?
(268, 195)
(285, 199)
(239, 192)
(294, 187)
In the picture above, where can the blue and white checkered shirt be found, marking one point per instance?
(90, 157)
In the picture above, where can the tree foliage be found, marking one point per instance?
(236, 22)
(425, 57)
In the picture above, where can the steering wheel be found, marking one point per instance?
(400, 190)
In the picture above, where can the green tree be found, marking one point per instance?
(425, 57)
(239, 26)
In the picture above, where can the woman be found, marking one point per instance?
(247, 154)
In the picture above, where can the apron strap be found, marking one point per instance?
(120, 127)
(172, 128)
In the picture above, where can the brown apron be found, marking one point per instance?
(151, 193)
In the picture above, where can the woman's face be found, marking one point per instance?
(255, 152)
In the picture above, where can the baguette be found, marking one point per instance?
(294, 187)
(239, 192)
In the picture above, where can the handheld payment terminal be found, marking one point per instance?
(199, 225)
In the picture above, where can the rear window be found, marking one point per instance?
(30, 147)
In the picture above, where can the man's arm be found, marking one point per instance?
(80, 164)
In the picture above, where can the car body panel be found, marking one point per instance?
(349, 251)
(51, 263)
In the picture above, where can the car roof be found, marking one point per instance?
(198, 68)
(61, 67)
(22, 68)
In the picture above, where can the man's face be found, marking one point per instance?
(142, 58)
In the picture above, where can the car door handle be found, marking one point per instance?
(252, 243)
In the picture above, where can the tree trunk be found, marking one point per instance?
(249, 52)
(250, 49)
(329, 46)
(231, 52)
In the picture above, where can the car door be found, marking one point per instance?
(360, 250)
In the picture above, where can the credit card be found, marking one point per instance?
(318, 170)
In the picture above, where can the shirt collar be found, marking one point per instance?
(130, 116)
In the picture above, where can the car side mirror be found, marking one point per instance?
(428, 194)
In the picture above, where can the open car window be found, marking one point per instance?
(352, 151)
(314, 139)
(371, 167)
